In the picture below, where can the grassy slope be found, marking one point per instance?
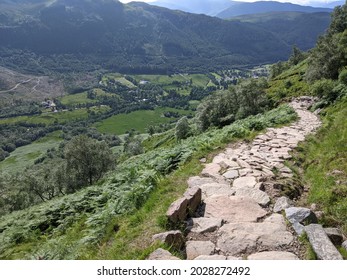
(26, 155)
(324, 159)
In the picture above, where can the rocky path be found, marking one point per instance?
(242, 199)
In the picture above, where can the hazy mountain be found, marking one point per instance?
(330, 5)
(84, 35)
(266, 7)
(207, 7)
(301, 29)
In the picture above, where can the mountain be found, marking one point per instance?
(84, 35)
(207, 7)
(240, 8)
(294, 28)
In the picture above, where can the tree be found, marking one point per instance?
(297, 56)
(87, 159)
(182, 129)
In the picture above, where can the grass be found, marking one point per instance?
(139, 120)
(324, 161)
(51, 118)
(25, 156)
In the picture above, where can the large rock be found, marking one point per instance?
(196, 181)
(193, 196)
(203, 225)
(211, 257)
(240, 238)
(273, 255)
(248, 181)
(282, 203)
(321, 244)
(233, 209)
(335, 235)
(161, 254)
(198, 248)
(299, 216)
(259, 196)
(172, 238)
(213, 189)
(177, 211)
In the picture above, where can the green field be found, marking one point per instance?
(139, 120)
(117, 78)
(25, 156)
(50, 118)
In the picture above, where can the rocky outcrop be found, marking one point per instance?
(177, 211)
(321, 244)
(203, 225)
(198, 248)
(300, 216)
(282, 203)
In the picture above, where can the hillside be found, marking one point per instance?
(134, 38)
(266, 7)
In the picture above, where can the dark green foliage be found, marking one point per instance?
(87, 160)
(343, 77)
(247, 98)
(182, 129)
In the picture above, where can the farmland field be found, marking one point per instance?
(139, 120)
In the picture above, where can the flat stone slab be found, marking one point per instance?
(240, 238)
(233, 209)
(161, 254)
(321, 244)
(199, 248)
(211, 170)
(213, 189)
(203, 225)
(282, 203)
(259, 196)
(211, 257)
(248, 181)
(196, 181)
(231, 174)
(273, 255)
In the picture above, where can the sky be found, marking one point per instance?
(300, 2)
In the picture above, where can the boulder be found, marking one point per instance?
(172, 238)
(321, 244)
(248, 181)
(335, 235)
(211, 257)
(203, 225)
(233, 209)
(193, 196)
(199, 248)
(241, 238)
(282, 203)
(161, 254)
(299, 216)
(259, 196)
(177, 211)
(273, 255)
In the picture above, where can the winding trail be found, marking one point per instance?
(239, 189)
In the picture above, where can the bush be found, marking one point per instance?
(343, 77)
(323, 88)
